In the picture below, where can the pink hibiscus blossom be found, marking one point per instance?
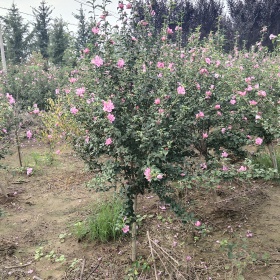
(97, 61)
(111, 117)
(29, 134)
(148, 174)
(108, 106)
(120, 63)
(258, 141)
(108, 141)
(181, 90)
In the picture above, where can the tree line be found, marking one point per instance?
(240, 20)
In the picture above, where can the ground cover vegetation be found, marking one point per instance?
(152, 107)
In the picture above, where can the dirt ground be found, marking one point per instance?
(241, 239)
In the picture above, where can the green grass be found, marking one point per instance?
(264, 160)
(102, 223)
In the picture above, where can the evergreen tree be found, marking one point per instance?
(207, 14)
(42, 15)
(16, 36)
(59, 41)
(204, 13)
(250, 16)
(83, 30)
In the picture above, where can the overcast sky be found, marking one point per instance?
(63, 8)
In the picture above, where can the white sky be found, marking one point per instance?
(63, 8)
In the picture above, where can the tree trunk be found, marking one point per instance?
(273, 156)
(134, 232)
(18, 147)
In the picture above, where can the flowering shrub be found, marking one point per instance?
(148, 112)
(6, 112)
(31, 83)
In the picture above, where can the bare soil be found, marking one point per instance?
(241, 239)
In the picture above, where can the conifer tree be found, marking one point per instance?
(42, 23)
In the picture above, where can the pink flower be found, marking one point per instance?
(262, 93)
(225, 168)
(188, 258)
(160, 64)
(153, 13)
(258, 141)
(95, 30)
(120, 63)
(159, 176)
(111, 117)
(74, 110)
(224, 154)
(204, 135)
(181, 90)
(271, 36)
(57, 91)
(242, 93)
(253, 102)
(108, 106)
(199, 115)
(242, 168)
(157, 101)
(97, 61)
(160, 111)
(125, 229)
(57, 152)
(29, 171)
(128, 6)
(249, 234)
(223, 130)
(10, 99)
(208, 60)
(203, 165)
(29, 134)
(108, 141)
(72, 80)
(86, 50)
(80, 91)
(203, 71)
(232, 101)
(218, 106)
(36, 111)
(133, 39)
(169, 30)
(121, 6)
(197, 223)
(148, 174)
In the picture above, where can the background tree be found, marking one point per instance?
(83, 29)
(16, 36)
(59, 41)
(250, 16)
(42, 22)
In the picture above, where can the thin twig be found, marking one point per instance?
(165, 252)
(18, 266)
(37, 278)
(151, 248)
(93, 271)
(83, 268)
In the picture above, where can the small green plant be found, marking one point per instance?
(137, 268)
(103, 224)
(264, 160)
(38, 253)
(52, 256)
(63, 236)
(2, 213)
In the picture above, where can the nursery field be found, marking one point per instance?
(39, 239)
